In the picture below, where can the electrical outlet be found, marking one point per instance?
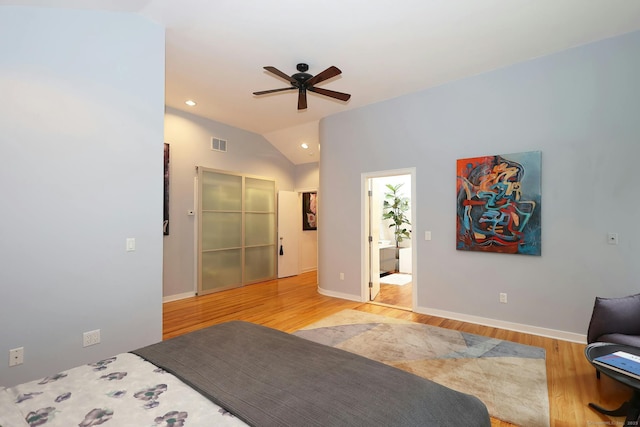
(16, 356)
(503, 297)
(91, 338)
(341, 276)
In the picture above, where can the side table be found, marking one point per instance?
(631, 408)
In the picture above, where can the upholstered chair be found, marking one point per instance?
(615, 320)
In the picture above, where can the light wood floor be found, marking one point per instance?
(291, 303)
(400, 296)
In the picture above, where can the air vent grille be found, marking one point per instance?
(218, 144)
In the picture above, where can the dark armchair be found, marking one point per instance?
(615, 320)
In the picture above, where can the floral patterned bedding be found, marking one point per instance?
(124, 390)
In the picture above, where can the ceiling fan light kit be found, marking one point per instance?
(303, 82)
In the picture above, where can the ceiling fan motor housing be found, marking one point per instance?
(301, 78)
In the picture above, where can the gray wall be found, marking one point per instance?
(579, 107)
(307, 176)
(307, 179)
(81, 127)
(189, 138)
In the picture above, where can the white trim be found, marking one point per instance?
(510, 326)
(177, 297)
(364, 248)
(196, 232)
(339, 295)
(306, 190)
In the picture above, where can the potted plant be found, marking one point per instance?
(394, 207)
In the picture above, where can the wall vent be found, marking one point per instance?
(218, 144)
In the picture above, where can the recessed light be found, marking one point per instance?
(304, 145)
(190, 103)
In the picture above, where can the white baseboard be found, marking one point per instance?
(510, 326)
(177, 297)
(494, 323)
(338, 295)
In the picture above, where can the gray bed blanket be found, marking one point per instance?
(270, 378)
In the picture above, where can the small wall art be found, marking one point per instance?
(498, 203)
(310, 211)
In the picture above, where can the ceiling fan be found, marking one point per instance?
(304, 81)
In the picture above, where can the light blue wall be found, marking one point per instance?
(307, 176)
(81, 143)
(579, 107)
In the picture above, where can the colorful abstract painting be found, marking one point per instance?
(498, 204)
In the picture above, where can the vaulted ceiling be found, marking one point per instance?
(216, 50)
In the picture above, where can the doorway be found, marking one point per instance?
(390, 276)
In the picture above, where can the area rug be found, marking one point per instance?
(510, 378)
(396, 279)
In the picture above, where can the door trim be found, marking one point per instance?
(364, 232)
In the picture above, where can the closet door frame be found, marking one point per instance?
(201, 170)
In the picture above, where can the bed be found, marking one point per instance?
(237, 374)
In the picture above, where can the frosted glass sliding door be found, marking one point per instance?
(260, 230)
(237, 236)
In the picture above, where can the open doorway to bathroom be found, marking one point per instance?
(388, 229)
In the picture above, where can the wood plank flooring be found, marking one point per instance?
(400, 296)
(291, 303)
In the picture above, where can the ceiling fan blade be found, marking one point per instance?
(280, 74)
(264, 92)
(302, 99)
(325, 75)
(331, 93)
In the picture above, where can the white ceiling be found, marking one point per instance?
(215, 50)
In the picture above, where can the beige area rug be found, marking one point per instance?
(397, 279)
(510, 378)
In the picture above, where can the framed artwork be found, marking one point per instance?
(165, 223)
(498, 203)
(310, 211)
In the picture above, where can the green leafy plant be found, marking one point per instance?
(394, 207)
